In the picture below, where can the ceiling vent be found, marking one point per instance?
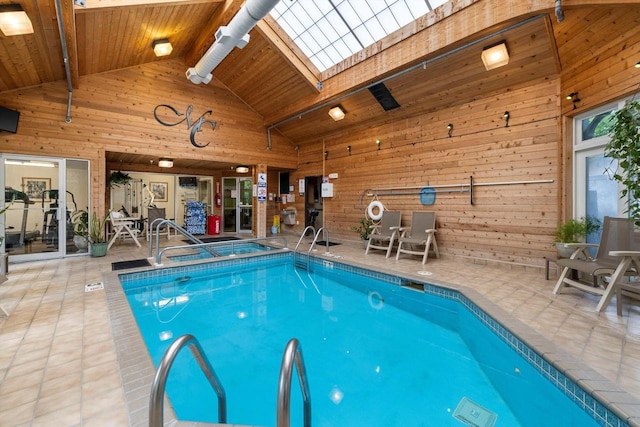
(383, 96)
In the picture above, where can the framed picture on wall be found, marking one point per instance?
(36, 188)
(159, 190)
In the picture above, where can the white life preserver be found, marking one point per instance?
(372, 206)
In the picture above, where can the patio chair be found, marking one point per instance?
(421, 233)
(616, 258)
(157, 213)
(122, 226)
(384, 234)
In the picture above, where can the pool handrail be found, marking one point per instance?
(304, 233)
(292, 353)
(156, 401)
(209, 246)
(159, 222)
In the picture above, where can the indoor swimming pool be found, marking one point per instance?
(378, 351)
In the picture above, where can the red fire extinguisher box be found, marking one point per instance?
(213, 224)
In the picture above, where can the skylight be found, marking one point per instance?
(328, 31)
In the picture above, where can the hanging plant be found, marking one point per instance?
(118, 178)
(624, 146)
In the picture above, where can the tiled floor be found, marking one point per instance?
(59, 365)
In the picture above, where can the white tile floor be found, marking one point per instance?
(59, 365)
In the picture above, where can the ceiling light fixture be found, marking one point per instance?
(242, 169)
(165, 163)
(506, 117)
(378, 142)
(337, 113)
(449, 129)
(14, 21)
(162, 47)
(29, 163)
(495, 56)
(349, 149)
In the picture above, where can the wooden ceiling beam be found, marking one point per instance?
(289, 51)
(102, 4)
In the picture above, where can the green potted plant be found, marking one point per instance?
(624, 146)
(364, 228)
(80, 221)
(574, 231)
(97, 237)
(118, 178)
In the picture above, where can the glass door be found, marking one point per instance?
(596, 194)
(237, 207)
(245, 207)
(43, 211)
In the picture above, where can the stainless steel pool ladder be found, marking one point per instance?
(292, 353)
(295, 251)
(156, 402)
(158, 223)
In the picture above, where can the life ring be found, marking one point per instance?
(375, 300)
(372, 206)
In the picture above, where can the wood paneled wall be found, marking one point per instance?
(114, 112)
(510, 223)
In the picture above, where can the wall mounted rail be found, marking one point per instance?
(156, 402)
(292, 354)
(444, 188)
(210, 247)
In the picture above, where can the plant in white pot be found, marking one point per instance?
(80, 230)
(574, 231)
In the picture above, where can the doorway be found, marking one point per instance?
(237, 208)
(313, 202)
(45, 197)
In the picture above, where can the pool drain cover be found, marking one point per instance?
(470, 413)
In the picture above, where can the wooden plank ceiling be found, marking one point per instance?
(269, 76)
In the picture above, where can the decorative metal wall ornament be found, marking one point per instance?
(195, 127)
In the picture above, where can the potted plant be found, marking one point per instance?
(118, 178)
(364, 228)
(624, 146)
(97, 237)
(574, 231)
(80, 221)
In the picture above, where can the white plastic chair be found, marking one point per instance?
(124, 226)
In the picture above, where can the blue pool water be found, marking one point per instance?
(377, 354)
(223, 250)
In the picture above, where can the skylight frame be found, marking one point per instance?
(357, 23)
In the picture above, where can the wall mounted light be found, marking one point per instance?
(506, 116)
(337, 113)
(14, 21)
(378, 143)
(449, 129)
(637, 64)
(326, 154)
(573, 97)
(162, 47)
(349, 149)
(495, 56)
(242, 169)
(165, 163)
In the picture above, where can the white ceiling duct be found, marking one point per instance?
(227, 37)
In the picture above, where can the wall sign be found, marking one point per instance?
(262, 187)
(167, 112)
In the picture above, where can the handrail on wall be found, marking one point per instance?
(156, 401)
(443, 188)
